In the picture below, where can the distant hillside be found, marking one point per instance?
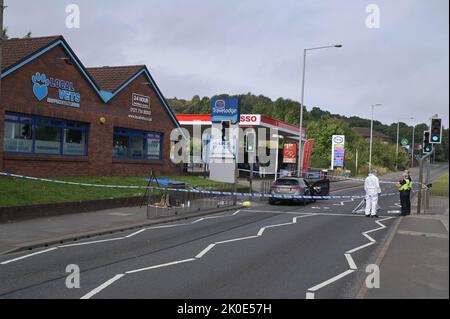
(289, 111)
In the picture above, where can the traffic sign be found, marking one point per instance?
(404, 141)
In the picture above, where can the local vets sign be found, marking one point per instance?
(66, 94)
(226, 109)
(338, 151)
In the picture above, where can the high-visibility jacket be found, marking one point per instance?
(405, 185)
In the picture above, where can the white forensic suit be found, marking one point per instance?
(372, 188)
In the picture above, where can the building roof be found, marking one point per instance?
(110, 78)
(19, 52)
(15, 50)
(365, 132)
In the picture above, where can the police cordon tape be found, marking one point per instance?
(197, 191)
(343, 178)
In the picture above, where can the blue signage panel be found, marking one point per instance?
(225, 109)
(66, 94)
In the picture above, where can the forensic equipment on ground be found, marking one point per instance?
(361, 208)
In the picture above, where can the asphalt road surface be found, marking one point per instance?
(320, 250)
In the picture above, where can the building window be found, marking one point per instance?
(133, 144)
(40, 135)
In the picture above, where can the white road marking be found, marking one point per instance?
(261, 231)
(350, 261)
(91, 242)
(235, 239)
(298, 213)
(198, 256)
(102, 286)
(117, 238)
(29, 255)
(310, 293)
(331, 280)
(160, 266)
(135, 233)
(393, 212)
(359, 248)
(204, 251)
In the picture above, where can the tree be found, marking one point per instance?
(5, 33)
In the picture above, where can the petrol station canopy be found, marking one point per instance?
(246, 120)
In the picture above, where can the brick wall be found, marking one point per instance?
(17, 96)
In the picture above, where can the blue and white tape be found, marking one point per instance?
(197, 191)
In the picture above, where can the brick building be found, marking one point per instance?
(59, 118)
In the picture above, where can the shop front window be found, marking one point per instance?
(74, 142)
(18, 137)
(132, 144)
(38, 135)
(48, 140)
(120, 146)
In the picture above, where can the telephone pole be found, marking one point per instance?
(2, 7)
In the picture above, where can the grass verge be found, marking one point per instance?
(21, 192)
(440, 186)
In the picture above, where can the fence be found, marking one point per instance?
(178, 202)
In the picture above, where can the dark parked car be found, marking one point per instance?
(298, 186)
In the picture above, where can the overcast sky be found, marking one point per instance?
(209, 47)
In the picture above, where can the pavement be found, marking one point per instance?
(416, 265)
(320, 250)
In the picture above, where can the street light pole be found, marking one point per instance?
(300, 145)
(412, 144)
(371, 138)
(398, 137)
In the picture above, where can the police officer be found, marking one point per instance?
(404, 187)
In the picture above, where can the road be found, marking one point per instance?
(320, 250)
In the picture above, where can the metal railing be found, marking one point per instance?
(178, 202)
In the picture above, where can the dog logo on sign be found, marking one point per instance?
(40, 87)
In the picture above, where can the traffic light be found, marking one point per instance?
(225, 131)
(26, 131)
(250, 142)
(427, 146)
(436, 131)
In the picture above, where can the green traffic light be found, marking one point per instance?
(435, 138)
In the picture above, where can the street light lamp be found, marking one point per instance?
(371, 137)
(300, 145)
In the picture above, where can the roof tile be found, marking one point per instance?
(15, 50)
(111, 78)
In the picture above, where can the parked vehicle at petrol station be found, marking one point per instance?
(298, 187)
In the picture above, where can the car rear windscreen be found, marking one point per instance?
(286, 182)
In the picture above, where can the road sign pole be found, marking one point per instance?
(419, 196)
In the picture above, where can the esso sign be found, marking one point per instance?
(250, 119)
